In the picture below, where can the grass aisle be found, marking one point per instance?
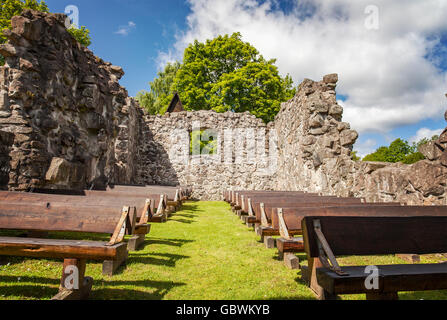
(203, 252)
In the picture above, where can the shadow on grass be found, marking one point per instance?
(190, 206)
(161, 288)
(167, 242)
(184, 215)
(42, 291)
(164, 259)
(185, 221)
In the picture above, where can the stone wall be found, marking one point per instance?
(314, 155)
(72, 121)
(164, 154)
(6, 140)
(73, 126)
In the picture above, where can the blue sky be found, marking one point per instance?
(156, 23)
(392, 78)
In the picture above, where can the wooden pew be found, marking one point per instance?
(174, 194)
(115, 221)
(237, 198)
(155, 212)
(327, 237)
(141, 229)
(264, 215)
(259, 208)
(287, 221)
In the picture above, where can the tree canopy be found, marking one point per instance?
(222, 74)
(399, 151)
(11, 8)
(157, 100)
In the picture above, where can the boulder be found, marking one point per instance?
(65, 174)
(331, 78)
(431, 151)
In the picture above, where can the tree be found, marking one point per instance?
(354, 156)
(227, 74)
(399, 151)
(82, 35)
(11, 8)
(158, 98)
(396, 152)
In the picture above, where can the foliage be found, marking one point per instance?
(354, 156)
(227, 74)
(413, 158)
(82, 35)
(399, 151)
(157, 100)
(206, 147)
(11, 8)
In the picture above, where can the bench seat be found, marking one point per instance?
(392, 278)
(52, 248)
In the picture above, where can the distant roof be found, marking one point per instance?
(175, 105)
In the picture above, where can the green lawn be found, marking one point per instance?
(202, 252)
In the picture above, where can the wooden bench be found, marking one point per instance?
(143, 208)
(326, 238)
(263, 217)
(174, 194)
(286, 221)
(26, 217)
(155, 209)
(260, 208)
(237, 197)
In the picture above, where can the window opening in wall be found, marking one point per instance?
(203, 142)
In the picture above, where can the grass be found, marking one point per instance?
(203, 252)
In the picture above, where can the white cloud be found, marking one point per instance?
(425, 133)
(125, 30)
(385, 73)
(365, 148)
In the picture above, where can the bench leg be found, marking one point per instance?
(171, 209)
(110, 266)
(269, 242)
(382, 296)
(321, 294)
(74, 284)
(291, 261)
(135, 242)
(305, 275)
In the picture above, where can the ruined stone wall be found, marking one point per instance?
(73, 123)
(241, 160)
(6, 140)
(314, 155)
(71, 126)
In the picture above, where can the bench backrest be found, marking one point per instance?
(377, 235)
(237, 194)
(277, 197)
(122, 195)
(144, 190)
(292, 202)
(88, 219)
(294, 215)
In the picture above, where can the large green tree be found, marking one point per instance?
(158, 98)
(11, 8)
(227, 74)
(399, 151)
